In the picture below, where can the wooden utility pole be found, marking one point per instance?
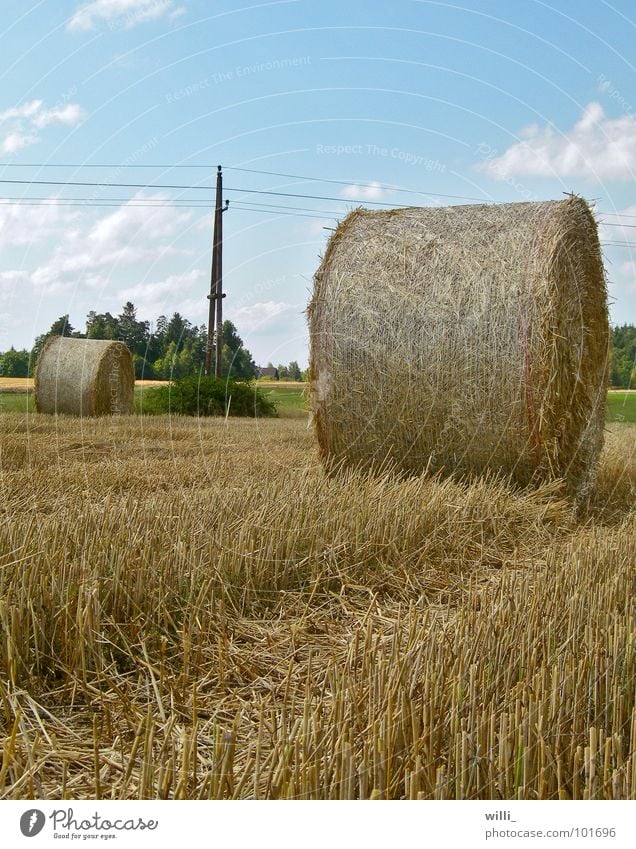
(212, 299)
(216, 282)
(218, 246)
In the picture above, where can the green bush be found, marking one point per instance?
(207, 396)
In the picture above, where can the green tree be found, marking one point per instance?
(134, 333)
(283, 372)
(236, 359)
(156, 346)
(623, 359)
(177, 330)
(101, 326)
(175, 363)
(199, 345)
(294, 371)
(144, 370)
(60, 327)
(14, 363)
(164, 366)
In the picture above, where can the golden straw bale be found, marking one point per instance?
(84, 377)
(463, 339)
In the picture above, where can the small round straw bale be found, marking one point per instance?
(84, 377)
(463, 339)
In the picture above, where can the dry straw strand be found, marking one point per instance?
(84, 377)
(463, 339)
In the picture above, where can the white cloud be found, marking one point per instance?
(142, 221)
(373, 191)
(154, 291)
(17, 141)
(23, 225)
(25, 120)
(628, 270)
(12, 276)
(258, 316)
(129, 235)
(68, 115)
(596, 147)
(121, 13)
(27, 110)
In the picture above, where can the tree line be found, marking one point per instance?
(623, 364)
(169, 348)
(174, 347)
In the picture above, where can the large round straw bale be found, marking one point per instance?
(84, 377)
(463, 339)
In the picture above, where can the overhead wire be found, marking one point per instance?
(238, 206)
(305, 177)
(158, 186)
(201, 203)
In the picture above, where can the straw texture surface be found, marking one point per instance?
(84, 377)
(463, 339)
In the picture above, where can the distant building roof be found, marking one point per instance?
(268, 371)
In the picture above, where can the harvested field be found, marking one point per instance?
(193, 609)
(16, 384)
(25, 384)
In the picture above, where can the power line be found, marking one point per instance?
(183, 188)
(91, 165)
(363, 185)
(622, 214)
(308, 178)
(102, 185)
(236, 203)
(292, 214)
(164, 201)
(239, 206)
(104, 205)
(313, 197)
(368, 184)
(193, 203)
(175, 201)
(192, 188)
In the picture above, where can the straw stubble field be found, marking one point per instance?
(194, 610)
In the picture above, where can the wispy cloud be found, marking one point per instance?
(27, 110)
(261, 315)
(372, 191)
(93, 251)
(122, 13)
(21, 123)
(127, 236)
(68, 116)
(23, 225)
(15, 141)
(628, 270)
(595, 148)
(151, 298)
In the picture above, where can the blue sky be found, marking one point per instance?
(479, 100)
